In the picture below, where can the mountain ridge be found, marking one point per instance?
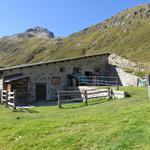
(126, 34)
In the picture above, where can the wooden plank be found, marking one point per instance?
(97, 92)
(77, 91)
(72, 100)
(11, 97)
(11, 104)
(96, 96)
(3, 100)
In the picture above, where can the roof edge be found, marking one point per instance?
(48, 62)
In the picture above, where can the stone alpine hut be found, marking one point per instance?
(41, 81)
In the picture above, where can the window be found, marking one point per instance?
(55, 80)
(98, 70)
(76, 70)
(62, 69)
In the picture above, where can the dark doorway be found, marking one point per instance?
(88, 73)
(41, 89)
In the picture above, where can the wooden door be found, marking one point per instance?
(41, 89)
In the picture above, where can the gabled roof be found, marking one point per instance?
(49, 62)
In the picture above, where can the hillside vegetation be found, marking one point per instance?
(127, 34)
(105, 125)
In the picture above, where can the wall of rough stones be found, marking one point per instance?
(125, 78)
(117, 66)
(121, 62)
(45, 72)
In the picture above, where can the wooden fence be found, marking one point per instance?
(70, 96)
(9, 99)
(4, 95)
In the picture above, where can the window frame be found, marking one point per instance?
(77, 70)
(56, 80)
(62, 69)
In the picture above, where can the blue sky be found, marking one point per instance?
(62, 17)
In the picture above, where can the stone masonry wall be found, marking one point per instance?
(121, 62)
(118, 64)
(45, 72)
(125, 78)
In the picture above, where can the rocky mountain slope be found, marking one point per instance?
(126, 34)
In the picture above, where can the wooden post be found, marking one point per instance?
(118, 83)
(59, 103)
(148, 81)
(1, 96)
(96, 82)
(110, 93)
(109, 96)
(6, 99)
(14, 101)
(86, 99)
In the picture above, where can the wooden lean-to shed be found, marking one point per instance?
(19, 84)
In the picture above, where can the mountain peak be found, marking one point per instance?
(126, 34)
(39, 32)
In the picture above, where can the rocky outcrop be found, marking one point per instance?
(139, 13)
(143, 12)
(125, 18)
(20, 48)
(39, 32)
(121, 62)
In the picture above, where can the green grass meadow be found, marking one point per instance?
(102, 125)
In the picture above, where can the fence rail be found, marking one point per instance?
(9, 99)
(84, 96)
(99, 81)
(4, 95)
(69, 97)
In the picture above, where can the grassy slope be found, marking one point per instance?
(131, 40)
(117, 124)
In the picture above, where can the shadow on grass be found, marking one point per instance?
(80, 105)
(45, 103)
(27, 110)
